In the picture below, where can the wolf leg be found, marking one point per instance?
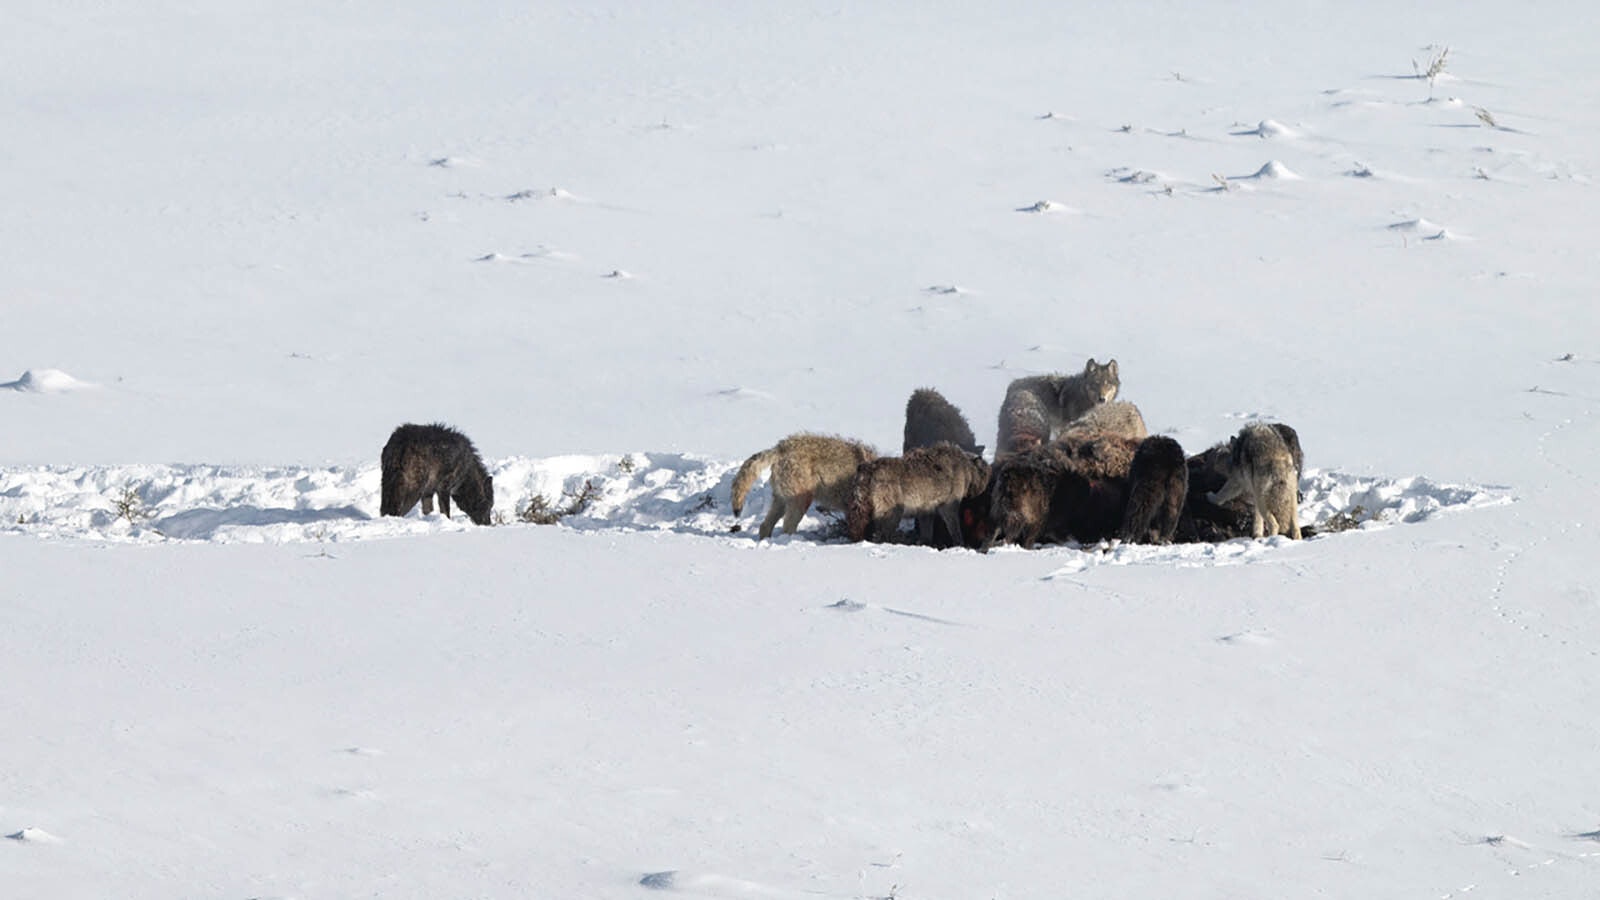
(774, 513)
(951, 514)
(444, 503)
(427, 504)
(1258, 525)
(1285, 511)
(796, 511)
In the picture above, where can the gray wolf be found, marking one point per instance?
(1261, 470)
(1291, 438)
(1112, 417)
(925, 482)
(424, 461)
(930, 418)
(1158, 487)
(806, 469)
(1036, 408)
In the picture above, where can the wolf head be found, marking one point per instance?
(1101, 380)
(476, 498)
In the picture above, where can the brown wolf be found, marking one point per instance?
(925, 482)
(930, 418)
(1261, 470)
(1112, 417)
(424, 461)
(1097, 455)
(1037, 407)
(1158, 486)
(806, 469)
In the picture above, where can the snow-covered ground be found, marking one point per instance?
(626, 245)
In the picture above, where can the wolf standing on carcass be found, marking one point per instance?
(806, 469)
(1036, 408)
(424, 461)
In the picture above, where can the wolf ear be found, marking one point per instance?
(1112, 368)
(1091, 365)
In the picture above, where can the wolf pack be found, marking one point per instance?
(1071, 463)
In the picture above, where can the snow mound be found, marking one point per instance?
(34, 836)
(1268, 129)
(45, 381)
(1045, 206)
(661, 492)
(1429, 231)
(1275, 169)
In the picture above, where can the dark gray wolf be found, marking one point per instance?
(421, 462)
(1036, 408)
(1204, 521)
(1158, 487)
(1021, 487)
(1261, 470)
(806, 469)
(930, 418)
(925, 482)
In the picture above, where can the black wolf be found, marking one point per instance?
(930, 418)
(424, 461)
(1050, 494)
(1158, 486)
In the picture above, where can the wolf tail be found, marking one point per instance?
(747, 475)
(858, 514)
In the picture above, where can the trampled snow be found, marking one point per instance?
(627, 245)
